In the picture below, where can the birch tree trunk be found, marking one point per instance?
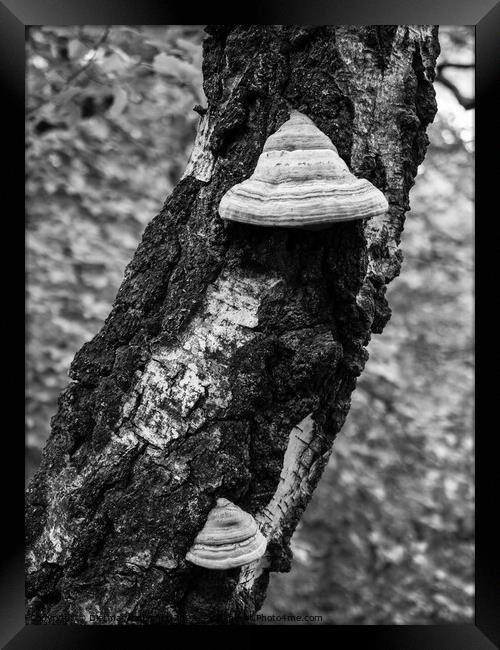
(226, 365)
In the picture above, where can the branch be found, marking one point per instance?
(467, 102)
(73, 76)
(451, 64)
(94, 54)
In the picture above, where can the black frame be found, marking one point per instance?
(15, 16)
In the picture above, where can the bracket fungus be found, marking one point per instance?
(229, 539)
(300, 181)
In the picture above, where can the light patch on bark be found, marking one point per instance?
(297, 463)
(384, 139)
(90, 611)
(201, 162)
(140, 560)
(51, 546)
(60, 531)
(186, 384)
(167, 561)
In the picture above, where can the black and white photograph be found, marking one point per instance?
(250, 386)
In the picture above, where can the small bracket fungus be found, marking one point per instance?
(229, 538)
(300, 181)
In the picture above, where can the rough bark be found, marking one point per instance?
(226, 365)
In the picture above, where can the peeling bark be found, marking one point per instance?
(226, 365)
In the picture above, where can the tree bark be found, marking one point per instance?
(226, 365)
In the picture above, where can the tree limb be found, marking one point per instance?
(75, 74)
(467, 102)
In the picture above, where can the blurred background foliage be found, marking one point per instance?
(389, 535)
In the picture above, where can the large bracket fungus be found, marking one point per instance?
(300, 181)
(230, 538)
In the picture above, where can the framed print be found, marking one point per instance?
(257, 407)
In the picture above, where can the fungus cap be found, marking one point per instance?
(229, 538)
(300, 181)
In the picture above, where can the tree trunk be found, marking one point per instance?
(226, 366)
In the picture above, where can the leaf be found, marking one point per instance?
(114, 64)
(76, 49)
(190, 48)
(67, 96)
(167, 64)
(57, 30)
(120, 100)
(71, 113)
(97, 128)
(159, 43)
